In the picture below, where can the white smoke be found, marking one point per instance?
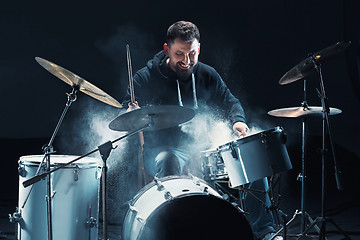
(210, 131)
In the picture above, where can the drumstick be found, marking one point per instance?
(131, 82)
(141, 173)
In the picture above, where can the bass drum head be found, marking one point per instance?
(196, 217)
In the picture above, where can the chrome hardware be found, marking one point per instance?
(21, 171)
(91, 222)
(98, 173)
(168, 196)
(160, 187)
(76, 173)
(15, 217)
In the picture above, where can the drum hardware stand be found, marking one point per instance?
(302, 177)
(104, 150)
(325, 125)
(274, 207)
(48, 150)
(227, 196)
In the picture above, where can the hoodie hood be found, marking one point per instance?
(158, 67)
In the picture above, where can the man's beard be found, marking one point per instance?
(184, 74)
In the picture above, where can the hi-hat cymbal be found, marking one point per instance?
(296, 112)
(78, 82)
(307, 66)
(158, 117)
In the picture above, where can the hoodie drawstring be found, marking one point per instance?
(194, 92)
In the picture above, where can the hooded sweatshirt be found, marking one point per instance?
(157, 84)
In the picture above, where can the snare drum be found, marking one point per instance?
(212, 165)
(183, 207)
(75, 202)
(255, 157)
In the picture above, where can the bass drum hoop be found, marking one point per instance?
(193, 215)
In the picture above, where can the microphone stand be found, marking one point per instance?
(325, 126)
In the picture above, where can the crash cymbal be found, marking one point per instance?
(78, 82)
(295, 112)
(159, 117)
(307, 66)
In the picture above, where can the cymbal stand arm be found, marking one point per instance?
(71, 97)
(48, 150)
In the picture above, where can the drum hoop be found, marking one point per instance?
(164, 179)
(249, 138)
(27, 161)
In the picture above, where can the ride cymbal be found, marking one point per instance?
(157, 117)
(307, 66)
(296, 112)
(78, 82)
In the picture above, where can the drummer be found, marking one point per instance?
(175, 77)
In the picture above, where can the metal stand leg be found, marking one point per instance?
(325, 126)
(105, 150)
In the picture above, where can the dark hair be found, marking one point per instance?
(186, 31)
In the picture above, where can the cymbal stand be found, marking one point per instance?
(302, 177)
(48, 150)
(325, 126)
(104, 150)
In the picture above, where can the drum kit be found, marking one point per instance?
(166, 207)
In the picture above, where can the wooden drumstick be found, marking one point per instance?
(141, 171)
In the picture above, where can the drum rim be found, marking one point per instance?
(163, 179)
(250, 138)
(30, 161)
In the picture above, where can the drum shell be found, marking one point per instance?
(255, 157)
(192, 207)
(75, 201)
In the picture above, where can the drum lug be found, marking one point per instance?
(98, 173)
(22, 172)
(168, 196)
(195, 179)
(76, 173)
(91, 222)
(141, 220)
(160, 187)
(233, 151)
(15, 217)
(263, 138)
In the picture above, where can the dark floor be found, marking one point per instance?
(342, 207)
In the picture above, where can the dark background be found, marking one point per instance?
(251, 44)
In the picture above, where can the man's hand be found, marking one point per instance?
(132, 106)
(241, 129)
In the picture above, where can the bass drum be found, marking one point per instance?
(183, 207)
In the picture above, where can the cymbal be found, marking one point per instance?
(78, 82)
(295, 112)
(307, 66)
(159, 117)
